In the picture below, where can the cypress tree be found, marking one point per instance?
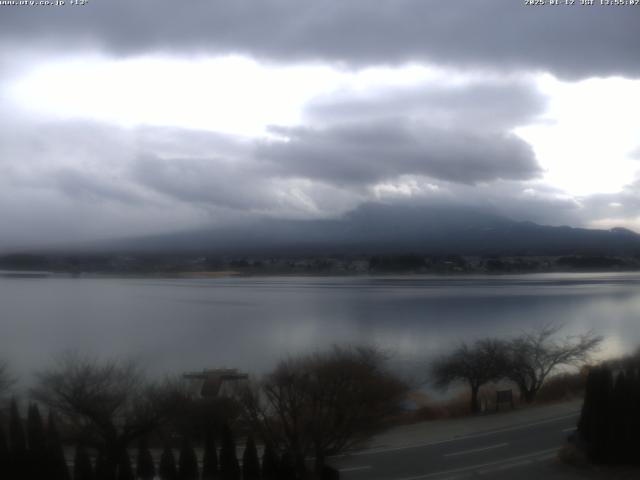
(617, 426)
(145, 468)
(622, 436)
(16, 432)
(625, 417)
(633, 382)
(57, 463)
(4, 456)
(104, 470)
(167, 469)
(287, 467)
(82, 468)
(330, 473)
(610, 417)
(269, 463)
(210, 459)
(35, 431)
(599, 450)
(125, 472)
(19, 459)
(37, 443)
(586, 423)
(635, 416)
(188, 462)
(229, 467)
(250, 462)
(595, 425)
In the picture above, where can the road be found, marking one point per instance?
(522, 450)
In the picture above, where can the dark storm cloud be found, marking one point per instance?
(370, 152)
(241, 185)
(148, 183)
(573, 41)
(459, 133)
(456, 134)
(87, 187)
(205, 181)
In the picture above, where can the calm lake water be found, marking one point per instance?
(178, 325)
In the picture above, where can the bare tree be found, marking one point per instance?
(110, 402)
(6, 380)
(324, 403)
(477, 364)
(533, 356)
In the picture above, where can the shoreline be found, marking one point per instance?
(213, 274)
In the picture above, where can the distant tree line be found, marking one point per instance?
(182, 263)
(526, 360)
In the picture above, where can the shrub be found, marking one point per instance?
(125, 472)
(609, 419)
(57, 463)
(188, 462)
(229, 467)
(167, 469)
(210, 459)
(269, 463)
(145, 468)
(82, 468)
(250, 462)
(562, 387)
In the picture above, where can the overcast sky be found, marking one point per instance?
(127, 117)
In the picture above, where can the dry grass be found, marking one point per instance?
(570, 454)
(430, 409)
(562, 387)
(559, 388)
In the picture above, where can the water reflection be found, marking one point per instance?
(177, 325)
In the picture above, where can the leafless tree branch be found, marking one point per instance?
(6, 380)
(324, 403)
(110, 400)
(534, 355)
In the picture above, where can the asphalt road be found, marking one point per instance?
(518, 451)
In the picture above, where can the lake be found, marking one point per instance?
(175, 325)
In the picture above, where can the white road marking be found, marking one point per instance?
(354, 469)
(373, 451)
(474, 450)
(519, 463)
(507, 466)
(513, 461)
(569, 429)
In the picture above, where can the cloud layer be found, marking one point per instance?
(418, 103)
(569, 40)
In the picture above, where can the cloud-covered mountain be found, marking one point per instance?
(132, 118)
(383, 229)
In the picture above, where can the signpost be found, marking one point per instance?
(504, 396)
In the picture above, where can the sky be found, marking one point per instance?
(133, 117)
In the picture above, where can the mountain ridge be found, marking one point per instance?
(386, 229)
